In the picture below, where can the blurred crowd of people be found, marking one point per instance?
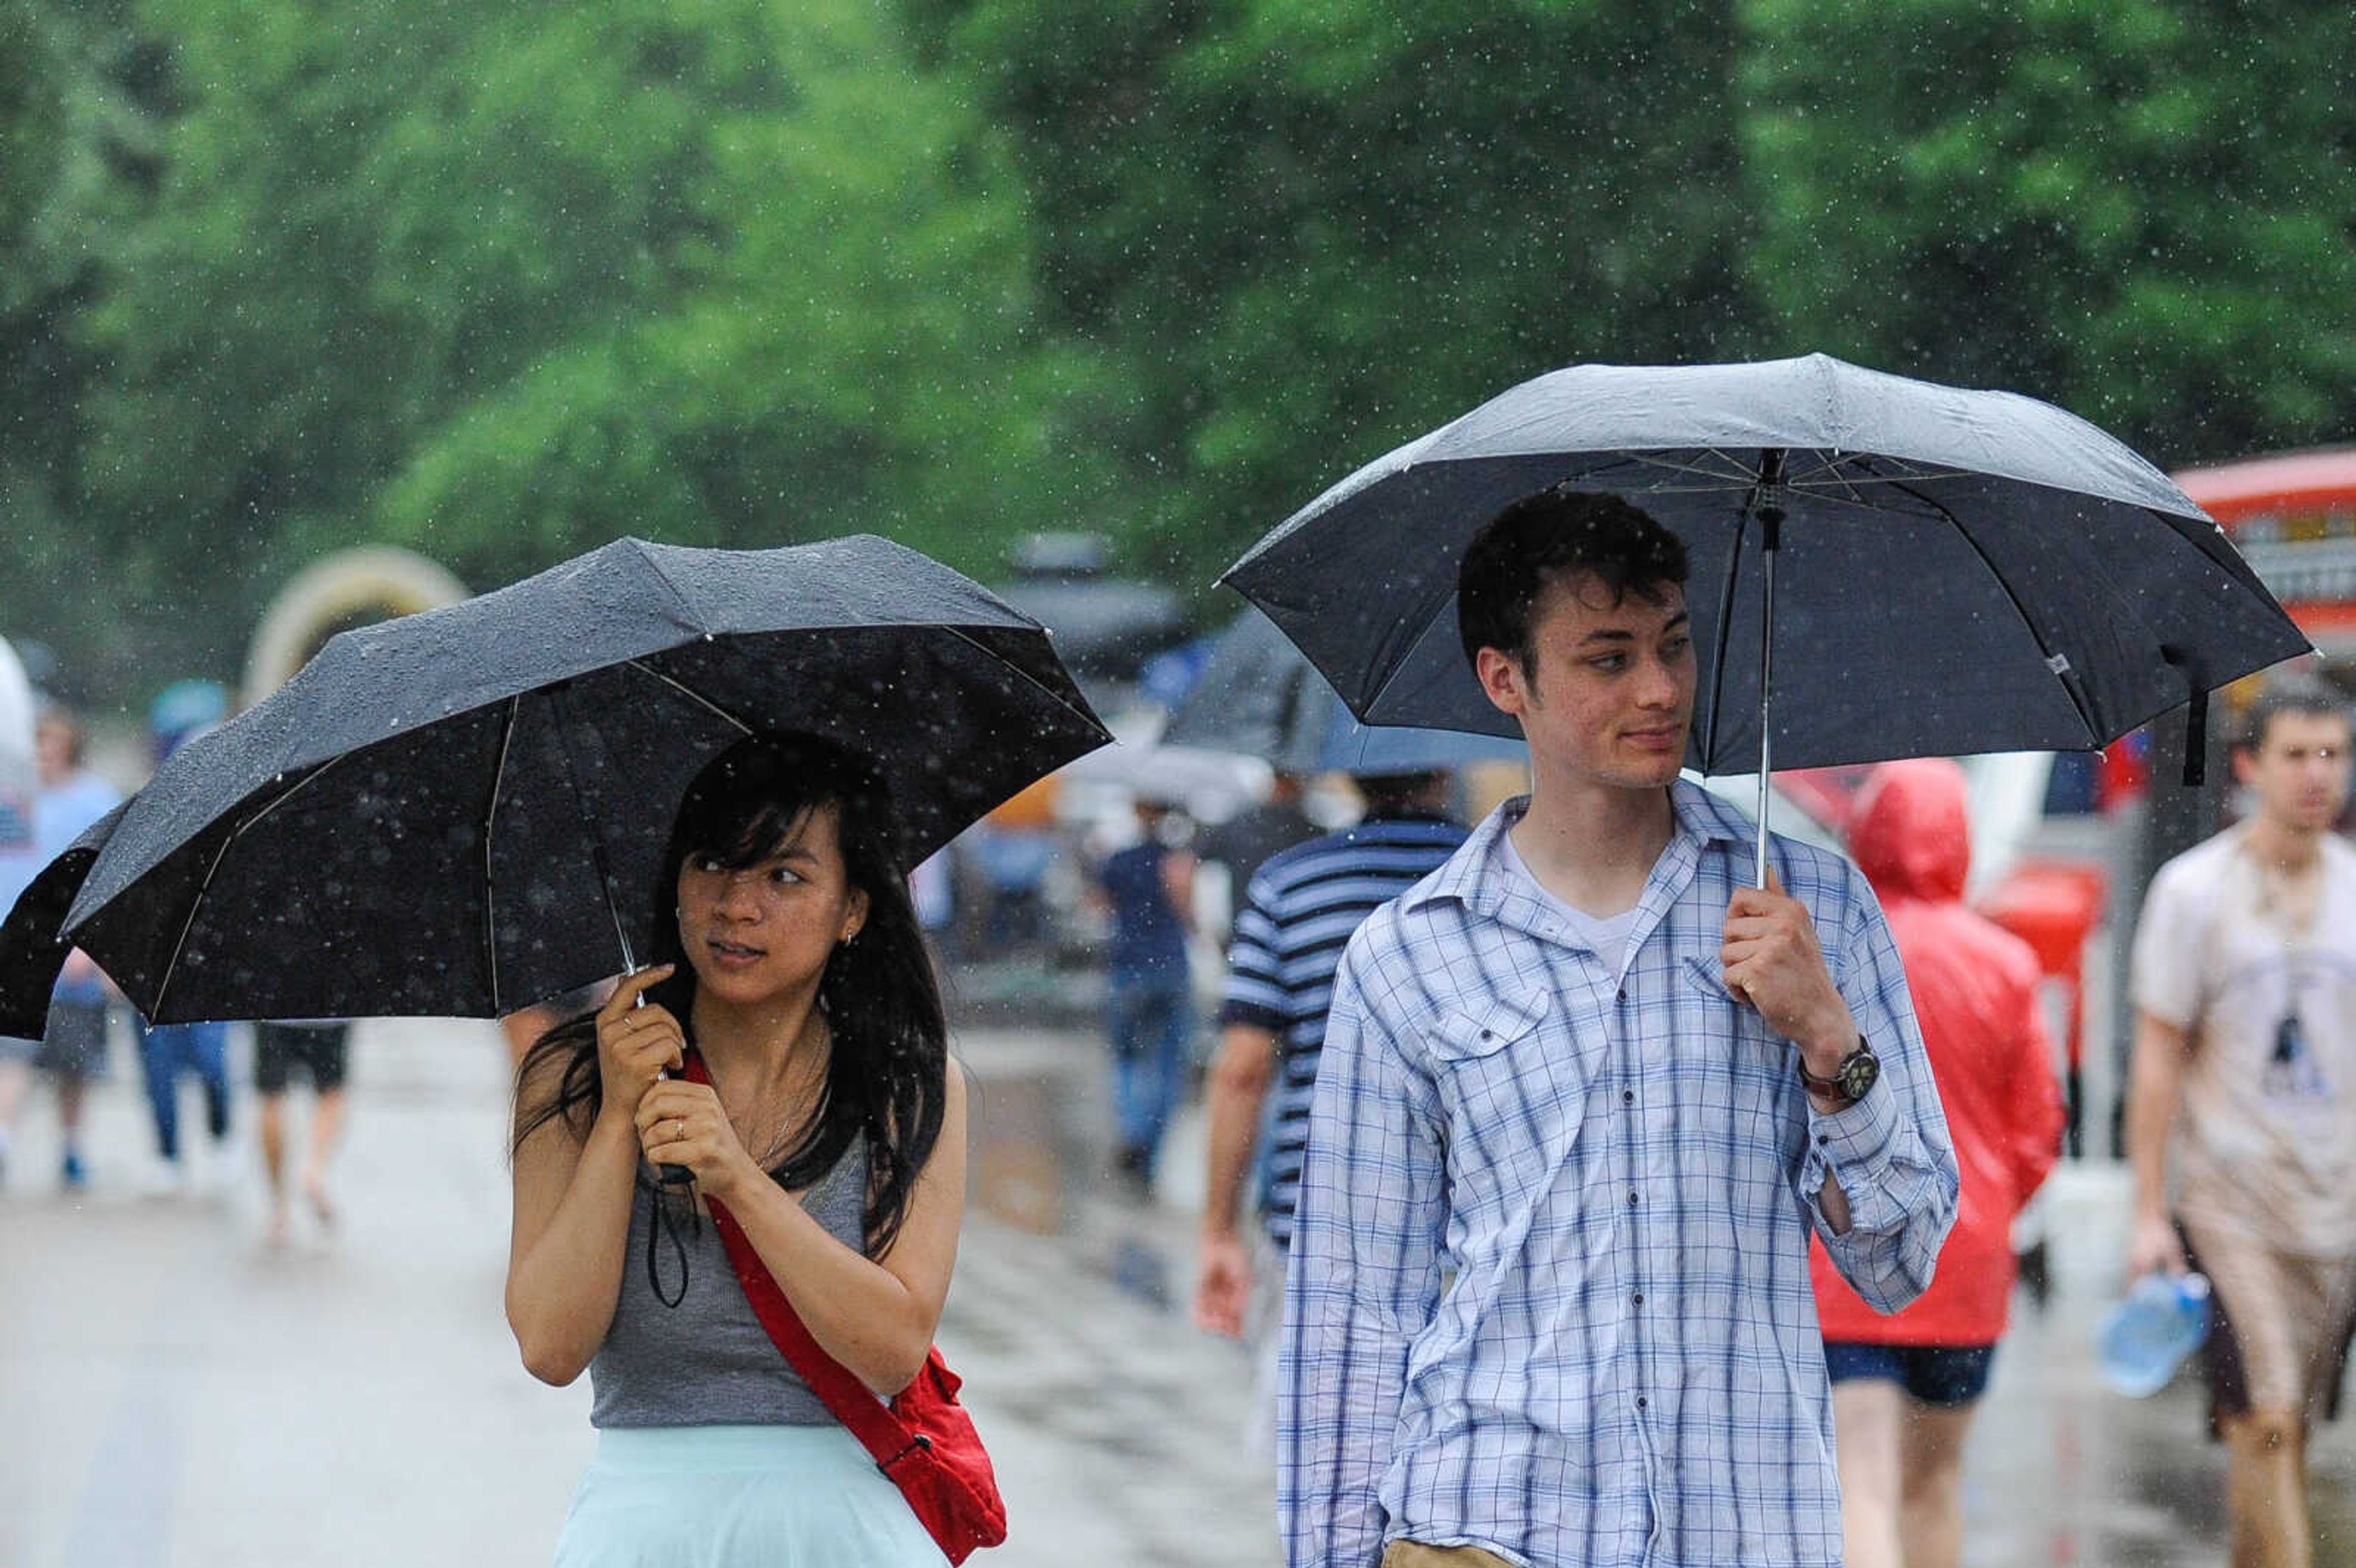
(64, 798)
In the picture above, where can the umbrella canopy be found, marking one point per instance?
(1961, 571)
(463, 812)
(1259, 696)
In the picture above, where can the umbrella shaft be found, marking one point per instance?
(1771, 546)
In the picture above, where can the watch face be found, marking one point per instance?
(1857, 1073)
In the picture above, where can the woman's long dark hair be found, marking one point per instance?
(885, 1076)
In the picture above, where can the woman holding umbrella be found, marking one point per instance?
(790, 961)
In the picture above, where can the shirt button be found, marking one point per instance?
(1640, 1298)
(1632, 1198)
(1823, 1138)
(1627, 1096)
(1624, 993)
(1641, 1401)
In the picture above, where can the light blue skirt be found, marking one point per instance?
(739, 1497)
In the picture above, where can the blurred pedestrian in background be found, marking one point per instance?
(73, 1049)
(1148, 989)
(932, 889)
(322, 1049)
(2244, 1081)
(20, 861)
(1013, 846)
(1905, 1385)
(182, 711)
(1243, 843)
(1298, 912)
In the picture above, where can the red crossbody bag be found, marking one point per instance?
(923, 1441)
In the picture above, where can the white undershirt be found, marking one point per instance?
(1608, 934)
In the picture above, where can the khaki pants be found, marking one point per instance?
(1404, 1553)
(2283, 1338)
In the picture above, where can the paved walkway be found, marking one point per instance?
(175, 1394)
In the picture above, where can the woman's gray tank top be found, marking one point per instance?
(707, 1361)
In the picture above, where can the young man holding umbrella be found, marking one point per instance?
(1584, 1096)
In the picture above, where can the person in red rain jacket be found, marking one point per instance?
(1904, 1385)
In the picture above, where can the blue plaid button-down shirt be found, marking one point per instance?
(1549, 1290)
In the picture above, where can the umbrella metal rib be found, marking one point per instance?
(1443, 587)
(197, 903)
(1032, 681)
(689, 692)
(2055, 662)
(490, 820)
(171, 967)
(1829, 481)
(561, 697)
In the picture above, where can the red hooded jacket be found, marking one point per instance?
(1975, 989)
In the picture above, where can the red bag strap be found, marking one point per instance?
(854, 1404)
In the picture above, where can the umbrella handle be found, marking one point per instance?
(670, 1175)
(674, 1175)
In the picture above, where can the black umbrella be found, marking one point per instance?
(463, 812)
(1257, 696)
(1962, 571)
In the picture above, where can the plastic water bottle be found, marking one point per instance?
(2143, 1338)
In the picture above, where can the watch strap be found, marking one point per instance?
(1832, 1085)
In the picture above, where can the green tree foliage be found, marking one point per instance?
(80, 97)
(842, 338)
(1312, 228)
(503, 282)
(2141, 210)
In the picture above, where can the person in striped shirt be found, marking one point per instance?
(1585, 1095)
(1297, 911)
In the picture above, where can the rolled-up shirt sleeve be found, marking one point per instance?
(1891, 1151)
(1363, 1281)
(1255, 993)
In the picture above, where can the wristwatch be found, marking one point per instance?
(1857, 1073)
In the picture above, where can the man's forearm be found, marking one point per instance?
(2154, 1085)
(1241, 1075)
(1835, 1204)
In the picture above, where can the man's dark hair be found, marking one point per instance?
(1544, 539)
(2291, 691)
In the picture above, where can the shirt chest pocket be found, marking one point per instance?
(1761, 1059)
(1509, 1071)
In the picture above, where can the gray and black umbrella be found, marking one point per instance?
(1259, 696)
(1960, 571)
(464, 812)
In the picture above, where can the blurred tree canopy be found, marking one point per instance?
(1310, 229)
(2144, 210)
(500, 283)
